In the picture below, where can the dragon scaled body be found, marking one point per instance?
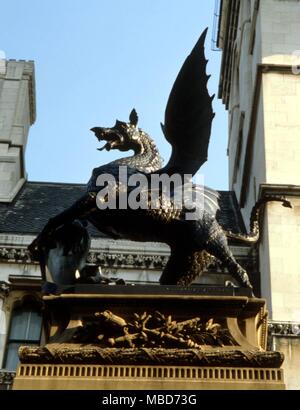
(194, 243)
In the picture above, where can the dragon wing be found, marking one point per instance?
(189, 115)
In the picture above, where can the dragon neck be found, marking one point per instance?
(146, 156)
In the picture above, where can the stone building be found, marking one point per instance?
(26, 206)
(260, 87)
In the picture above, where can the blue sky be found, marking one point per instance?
(97, 59)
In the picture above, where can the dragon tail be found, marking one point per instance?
(254, 234)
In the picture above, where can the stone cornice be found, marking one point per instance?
(279, 189)
(128, 260)
(116, 258)
(105, 259)
(4, 288)
(15, 255)
(25, 282)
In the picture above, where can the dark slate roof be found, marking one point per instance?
(39, 201)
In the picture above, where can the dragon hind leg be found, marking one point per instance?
(184, 266)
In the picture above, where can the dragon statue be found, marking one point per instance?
(194, 243)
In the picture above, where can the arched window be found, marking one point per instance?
(25, 329)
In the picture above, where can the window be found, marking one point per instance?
(25, 329)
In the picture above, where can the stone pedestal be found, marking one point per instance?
(152, 337)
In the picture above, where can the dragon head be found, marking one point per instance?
(122, 136)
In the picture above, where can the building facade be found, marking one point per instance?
(260, 87)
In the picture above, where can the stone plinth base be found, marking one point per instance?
(83, 377)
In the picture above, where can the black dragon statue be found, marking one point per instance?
(194, 242)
